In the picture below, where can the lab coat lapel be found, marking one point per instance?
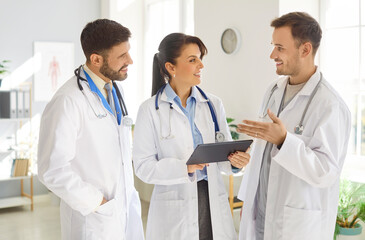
(165, 99)
(198, 96)
(203, 118)
(278, 95)
(204, 121)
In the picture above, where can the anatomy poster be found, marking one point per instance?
(54, 63)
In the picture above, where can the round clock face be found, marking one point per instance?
(229, 41)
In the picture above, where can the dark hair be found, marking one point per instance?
(169, 50)
(101, 35)
(304, 28)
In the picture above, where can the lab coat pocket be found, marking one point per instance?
(305, 138)
(166, 195)
(166, 220)
(107, 209)
(103, 223)
(301, 224)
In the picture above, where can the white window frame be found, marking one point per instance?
(354, 167)
(186, 25)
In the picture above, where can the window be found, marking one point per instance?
(342, 59)
(164, 17)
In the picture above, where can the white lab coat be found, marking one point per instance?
(81, 159)
(304, 176)
(173, 212)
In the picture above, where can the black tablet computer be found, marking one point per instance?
(217, 152)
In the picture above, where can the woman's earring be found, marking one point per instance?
(174, 75)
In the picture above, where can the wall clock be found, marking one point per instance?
(230, 40)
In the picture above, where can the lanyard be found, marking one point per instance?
(93, 88)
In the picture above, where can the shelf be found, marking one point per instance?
(14, 178)
(17, 131)
(14, 119)
(4, 155)
(14, 202)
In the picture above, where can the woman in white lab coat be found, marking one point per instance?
(188, 202)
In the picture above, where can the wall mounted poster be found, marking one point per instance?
(54, 63)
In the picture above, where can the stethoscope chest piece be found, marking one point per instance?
(127, 121)
(299, 129)
(219, 137)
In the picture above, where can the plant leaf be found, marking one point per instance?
(235, 135)
(351, 203)
(229, 120)
(337, 231)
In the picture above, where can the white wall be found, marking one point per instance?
(241, 79)
(22, 23)
(309, 6)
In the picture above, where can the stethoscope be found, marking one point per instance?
(299, 128)
(219, 137)
(126, 121)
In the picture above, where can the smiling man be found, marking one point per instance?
(84, 153)
(290, 187)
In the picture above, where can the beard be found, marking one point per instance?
(289, 68)
(111, 74)
(289, 71)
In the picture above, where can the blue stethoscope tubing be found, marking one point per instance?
(299, 128)
(219, 137)
(126, 120)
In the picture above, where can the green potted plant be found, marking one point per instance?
(3, 69)
(351, 209)
(232, 127)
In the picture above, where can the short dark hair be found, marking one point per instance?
(304, 28)
(101, 35)
(169, 50)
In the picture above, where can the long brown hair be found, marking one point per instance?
(169, 50)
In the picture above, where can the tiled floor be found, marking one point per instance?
(19, 223)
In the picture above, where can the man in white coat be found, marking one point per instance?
(290, 188)
(84, 153)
